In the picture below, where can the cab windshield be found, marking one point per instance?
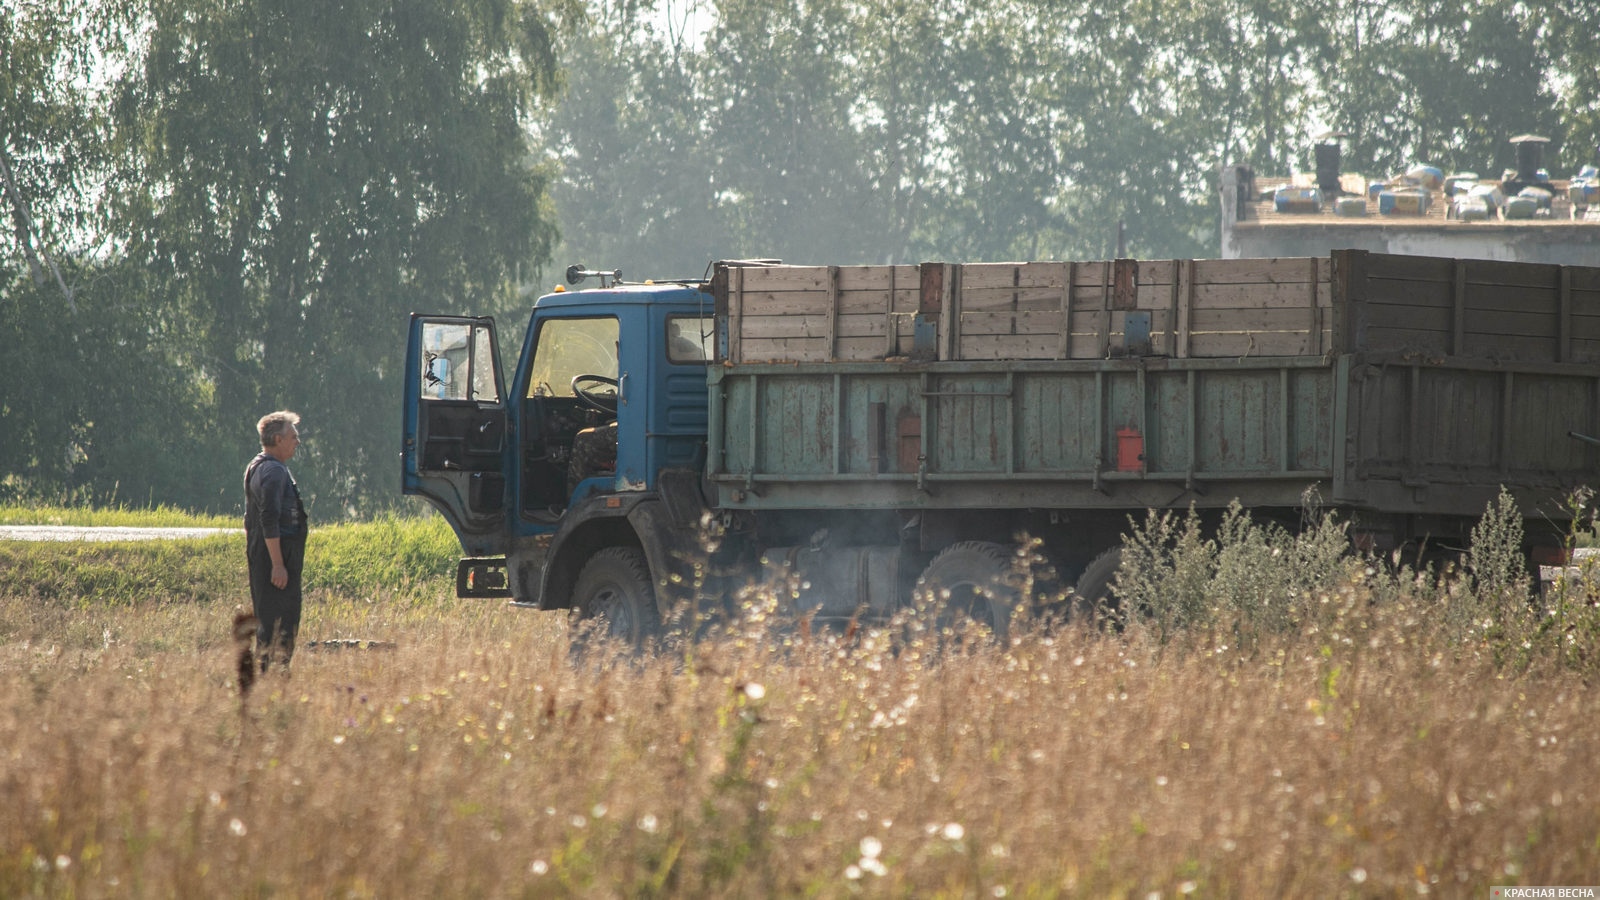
(568, 348)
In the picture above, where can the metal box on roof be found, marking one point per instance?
(1403, 203)
(1521, 207)
(1350, 206)
(1297, 200)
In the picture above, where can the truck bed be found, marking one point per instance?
(1389, 383)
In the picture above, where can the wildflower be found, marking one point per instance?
(871, 847)
(539, 867)
(647, 823)
(954, 832)
(237, 829)
(754, 690)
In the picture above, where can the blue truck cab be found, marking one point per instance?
(573, 465)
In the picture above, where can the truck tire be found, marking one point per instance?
(614, 597)
(981, 583)
(1094, 599)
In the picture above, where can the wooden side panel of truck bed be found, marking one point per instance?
(1409, 385)
(1180, 309)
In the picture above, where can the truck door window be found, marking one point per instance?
(571, 347)
(458, 362)
(690, 339)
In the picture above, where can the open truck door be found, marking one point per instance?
(454, 449)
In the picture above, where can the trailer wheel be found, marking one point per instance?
(614, 597)
(971, 580)
(1094, 599)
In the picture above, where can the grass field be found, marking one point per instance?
(1283, 721)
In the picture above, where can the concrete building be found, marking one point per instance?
(1330, 210)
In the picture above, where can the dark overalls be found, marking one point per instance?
(273, 510)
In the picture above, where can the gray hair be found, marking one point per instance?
(275, 424)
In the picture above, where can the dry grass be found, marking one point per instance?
(1371, 753)
(1282, 720)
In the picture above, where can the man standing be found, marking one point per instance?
(275, 537)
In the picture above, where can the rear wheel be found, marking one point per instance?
(1094, 599)
(971, 581)
(614, 597)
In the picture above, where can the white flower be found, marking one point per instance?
(754, 690)
(954, 832)
(871, 847)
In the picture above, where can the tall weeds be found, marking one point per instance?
(1295, 722)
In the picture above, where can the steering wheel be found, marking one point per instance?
(606, 403)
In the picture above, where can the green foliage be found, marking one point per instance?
(1252, 579)
(385, 555)
(125, 574)
(218, 208)
(106, 413)
(1450, 84)
(123, 515)
(899, 131)
(391, 558)
(1496, 559)
(52, 133)
(304, 175)
(238, 197)
(1257, 582)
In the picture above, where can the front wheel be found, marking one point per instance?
(614, 596)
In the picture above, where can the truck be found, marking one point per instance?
(881, 433)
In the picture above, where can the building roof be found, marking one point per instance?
(1259, 210)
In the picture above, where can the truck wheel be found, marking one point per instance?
(614, 591)
(980, 582)
(1094, 600)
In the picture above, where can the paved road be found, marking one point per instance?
(105, 533)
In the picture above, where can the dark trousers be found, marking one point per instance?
(277, 609)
